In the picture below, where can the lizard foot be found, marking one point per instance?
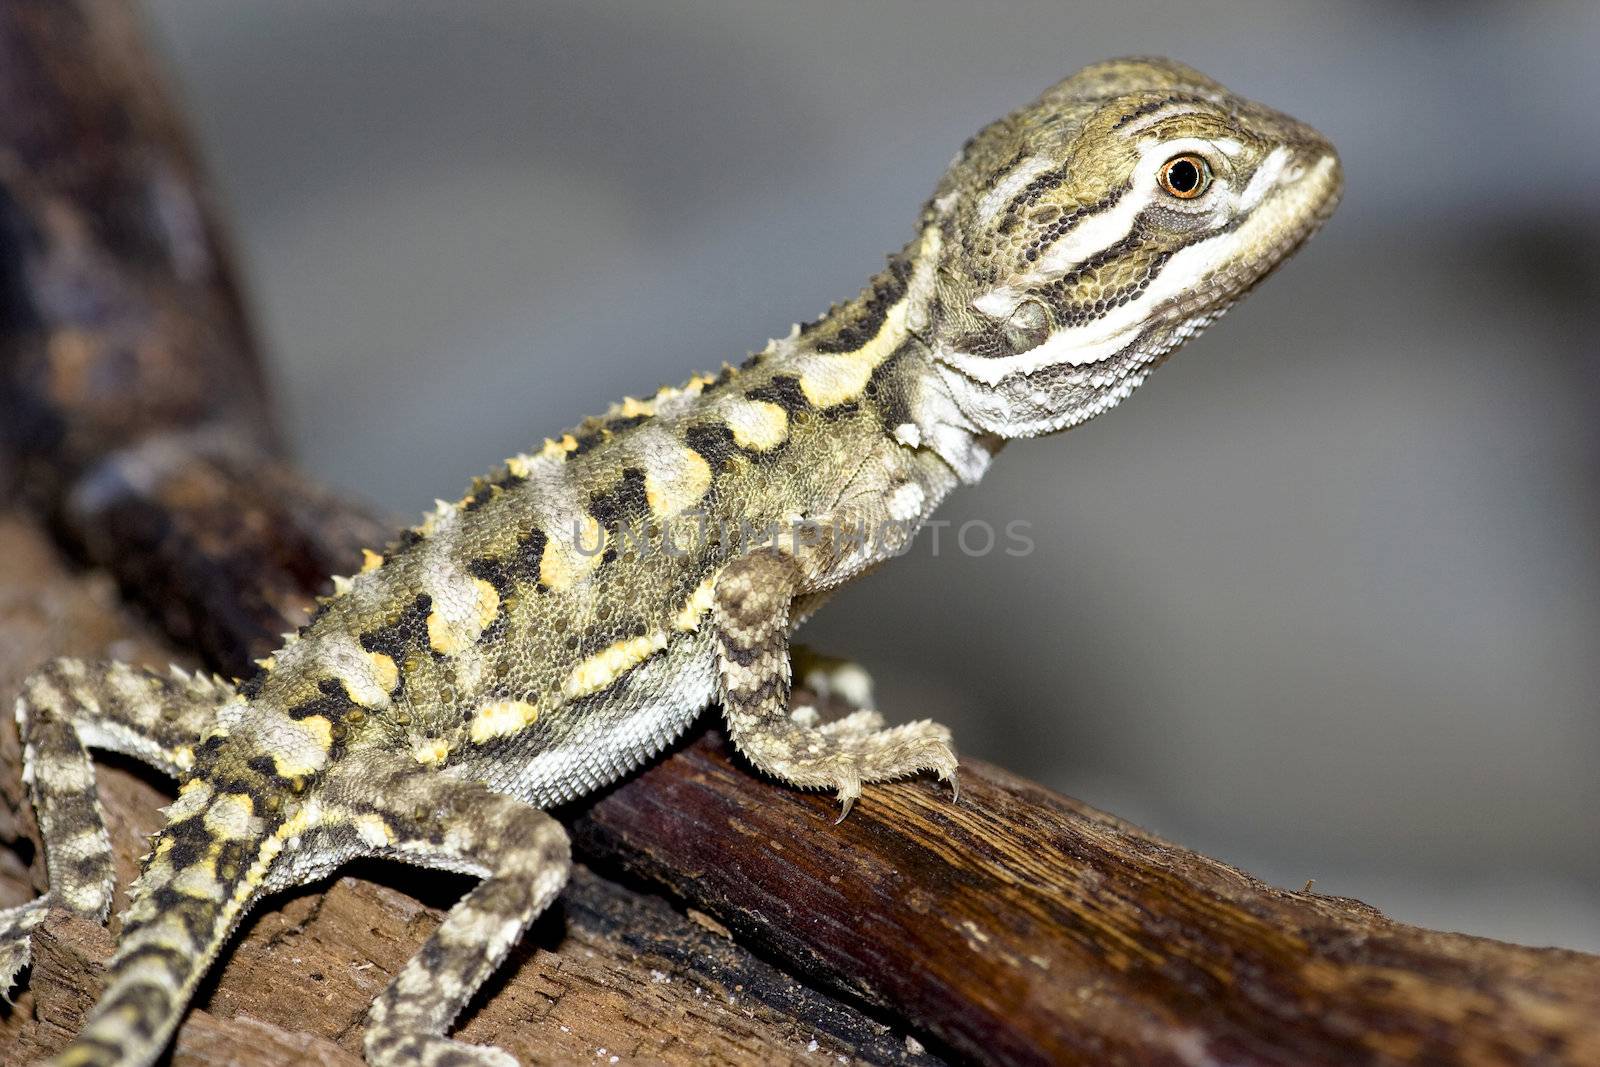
(16, 939)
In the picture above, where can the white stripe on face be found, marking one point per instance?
(1007, 188)
(1098, 232)
(1265, 177)
(1095, 341)
(1160, 115)
(1110, 334)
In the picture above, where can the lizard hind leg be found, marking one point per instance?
(523, 856)
(751, 615)
(64, 707)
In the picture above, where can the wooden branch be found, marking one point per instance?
(134, 407)
(1019, 926)
(1016, 926)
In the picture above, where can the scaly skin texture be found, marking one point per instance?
(575, 611)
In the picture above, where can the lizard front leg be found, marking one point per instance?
(64, 707)
(522, 854)
(751, 615)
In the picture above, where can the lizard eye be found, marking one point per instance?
(1185, 176)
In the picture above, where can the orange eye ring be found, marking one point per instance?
(1186, 176)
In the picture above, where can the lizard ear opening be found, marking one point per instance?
(1027, 327)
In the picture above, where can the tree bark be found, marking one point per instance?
(1011, 926)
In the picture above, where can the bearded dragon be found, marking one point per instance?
(556, 627)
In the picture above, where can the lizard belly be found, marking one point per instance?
(598, 740)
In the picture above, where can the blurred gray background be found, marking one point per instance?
(1322, 600)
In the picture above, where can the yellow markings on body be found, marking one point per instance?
(229, 816)
(565, 560)
(301, 745)
(606, 666)
(501, 718)
(372, 830)
(758, 425)
(267, 663)
(192, 796)
(385, 674)
(829, 379)
(677, 482)
(430, 751)
(833, 378)
(695, 608)
(307, 816)
(556, 450)
(370, 561)
(199, 879)
(453, 632)
(632, 409)
(183, 757)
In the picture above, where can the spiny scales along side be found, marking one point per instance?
(575, 611)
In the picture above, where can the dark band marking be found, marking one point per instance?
(783, 390)
(997, 174)
(92, 870)
(529, 555)
(233, 860)
(715, 444)
(1077, 313)
(623, 503)
(333, 702)
(858, 325)
(496, 572)
(149, 1002)
(485, 489)
(588, 440)
(1151, 107)
(623, 507)
(407, 630)
(624, 422)
(195, 915)
(1070, 221)
(1031, 195)
(190, 841)
(1146, 108)
(886, 392)
(177, 962)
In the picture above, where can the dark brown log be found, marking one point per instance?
(1019, 926)
(1016, 926)
(135, 413)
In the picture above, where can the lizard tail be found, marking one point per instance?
(205, 868)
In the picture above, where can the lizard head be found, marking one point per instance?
(1084, 237)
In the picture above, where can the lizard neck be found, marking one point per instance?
(873, 352)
